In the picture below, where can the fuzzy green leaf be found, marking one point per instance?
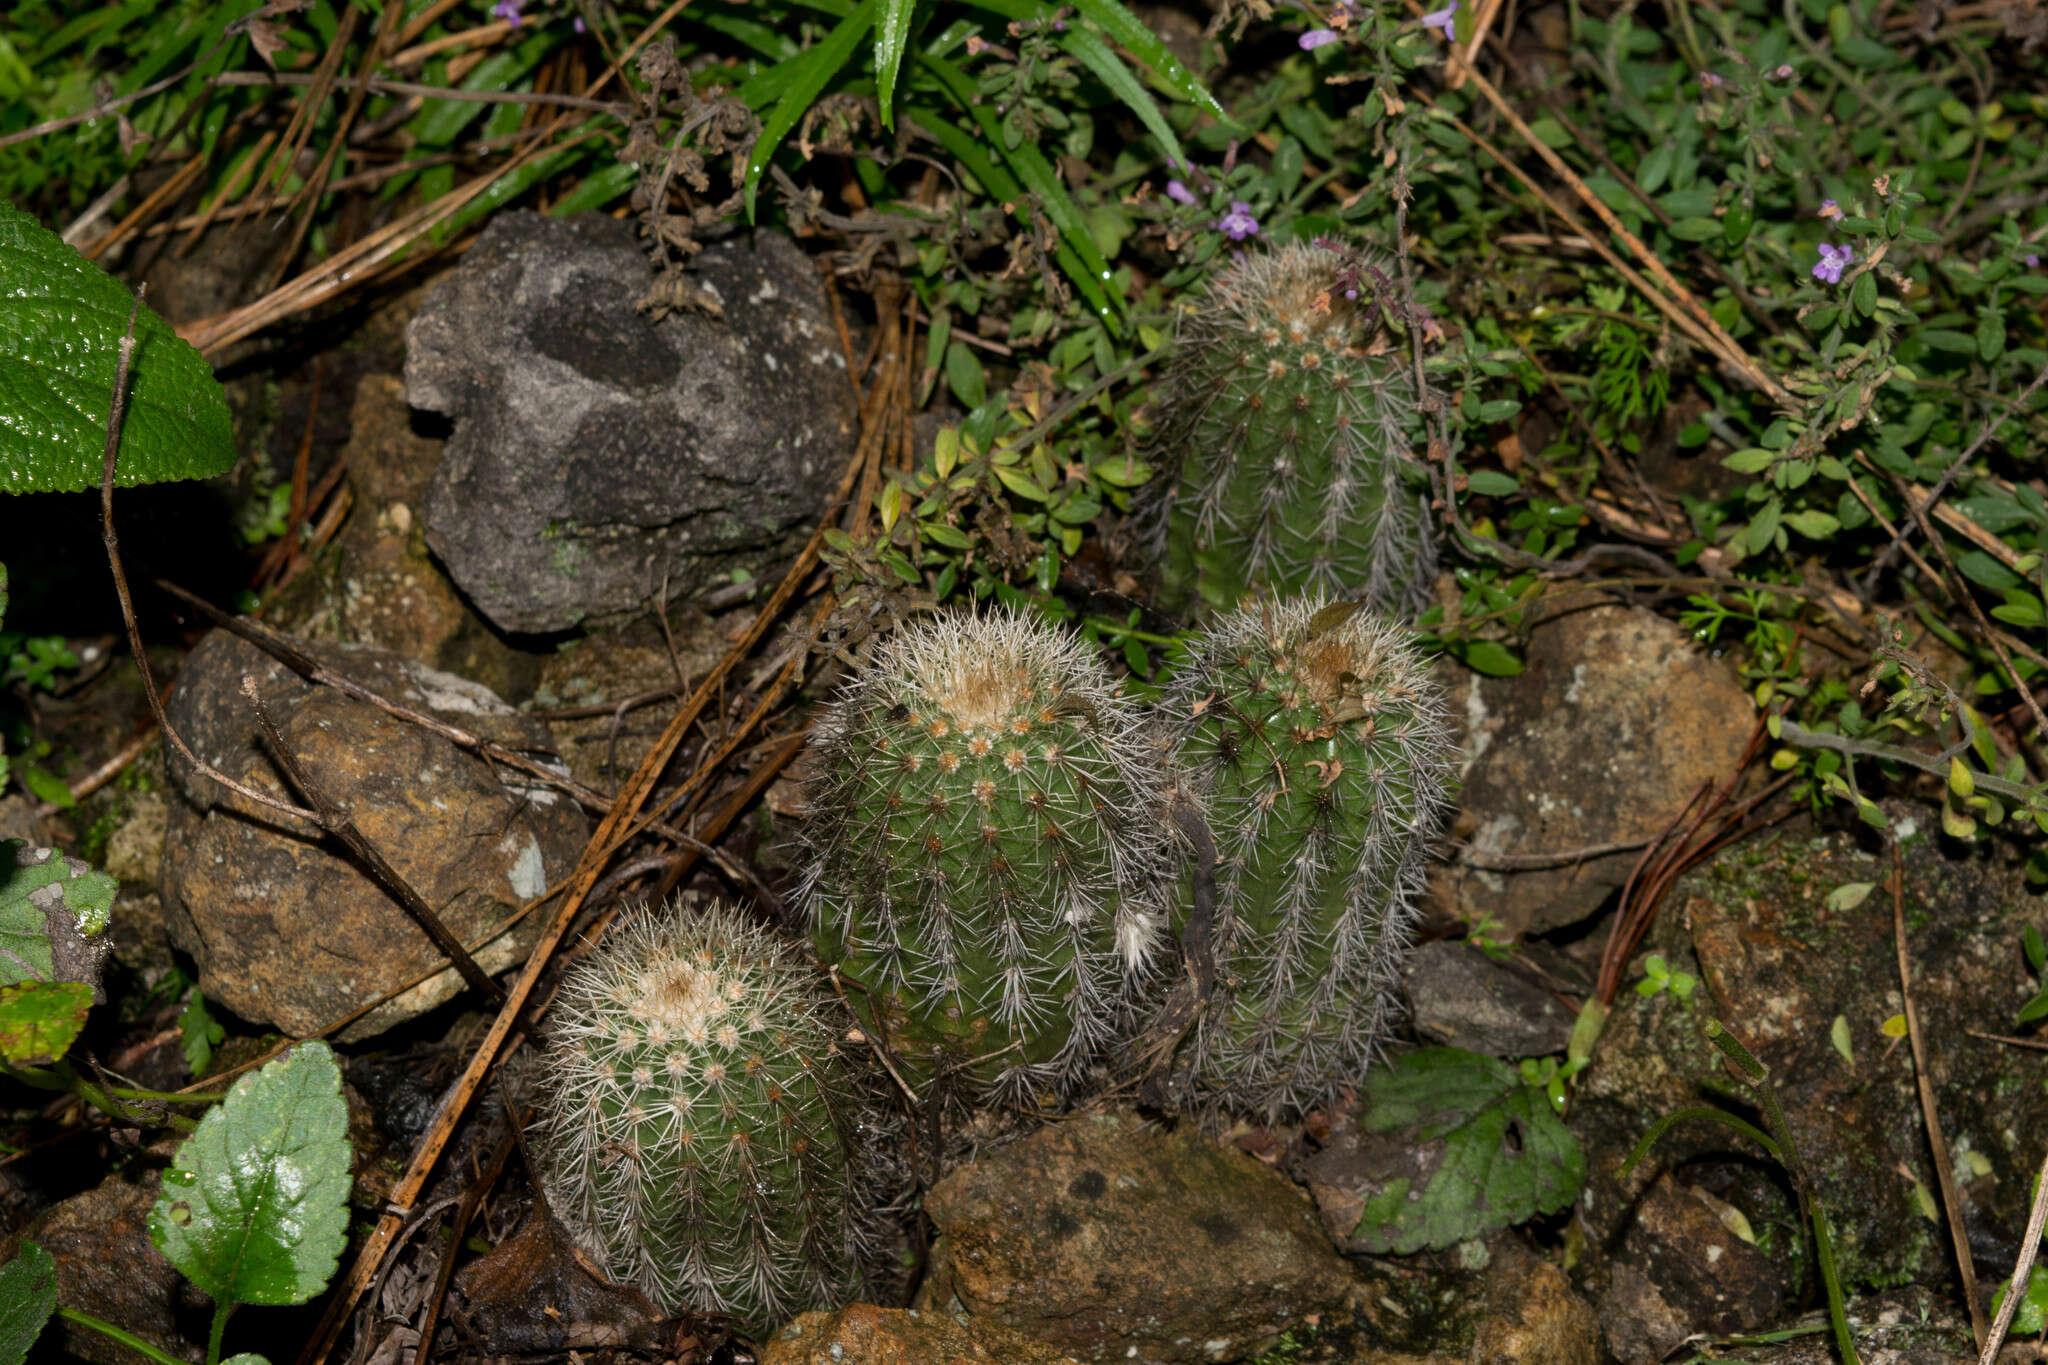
(61, 323)
(254, 1209)
(38, 1020)
(28, 1295)
(1467, 1148)
(53, 910)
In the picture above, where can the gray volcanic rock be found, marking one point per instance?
(599, 453)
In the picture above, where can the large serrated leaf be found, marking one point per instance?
(1454, 1145)
(53, 916)
(61, 323)
(28, 1295)
(38, 1020)
(254, 1209)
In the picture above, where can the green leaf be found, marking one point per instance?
(965, 376)
(254, 1208)
(1863, 294)
(1488, 657)
(61, 323)
(39, 1020)
(53, 910)
(1813, 525)
(809, 74)
(28, 1295)
(2031, 1317)
(1849, 895)
(1752, 461)
(202, 1032)
(1491, 484)
(1466, 1148)
(892, 33)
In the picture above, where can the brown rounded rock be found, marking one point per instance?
(1603, 738)
(1118, 1241)
(903, 1336)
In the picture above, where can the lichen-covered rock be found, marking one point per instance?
(599, 456)
(903, 1336)
(1117, 1241)
(1798, 978)
(285, 929)
(1614, 724)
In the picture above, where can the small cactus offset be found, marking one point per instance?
(1284, 413)
(698, 1123)
(984, 859)
(1314, 743)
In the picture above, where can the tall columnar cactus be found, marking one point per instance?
(701, 1130)
(1315, 744)
(984, 858)
(1283, 437)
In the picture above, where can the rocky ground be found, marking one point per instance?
(551, 610)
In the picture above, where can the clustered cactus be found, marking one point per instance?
(701, 1129)
(987, 866)
(1284, 433)
(1316, 746)
(985, 856)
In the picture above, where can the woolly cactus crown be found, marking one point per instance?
(983, 858)
(702, 1132)
(1316, 745)
(1284, 433)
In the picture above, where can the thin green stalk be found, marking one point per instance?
(221, 1311)
(108, 1330)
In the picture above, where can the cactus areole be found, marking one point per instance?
(984, 853)
(1315, 743)
(1284, 433)
(699, 1127)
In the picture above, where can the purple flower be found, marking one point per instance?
(1830, 209)
(2031, 259)
(1832, 258)
(1238, 224)
(1708, 80)
(1318, 37)
(1443, 20)
(508, 10)
(579, 25)
(1178, 193)
(1783, 72)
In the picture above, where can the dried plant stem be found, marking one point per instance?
(1944, 1172)
(117, 410)
(2030, 1247)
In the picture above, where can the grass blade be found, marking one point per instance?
(807, 77)
(1087, 267)
(890, 38)
(1108, 68)
(999, 182)
(1119, 23)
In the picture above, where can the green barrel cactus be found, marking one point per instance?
(701, 1131)
(984, 854)
(1315, 744)
(1283, 440)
